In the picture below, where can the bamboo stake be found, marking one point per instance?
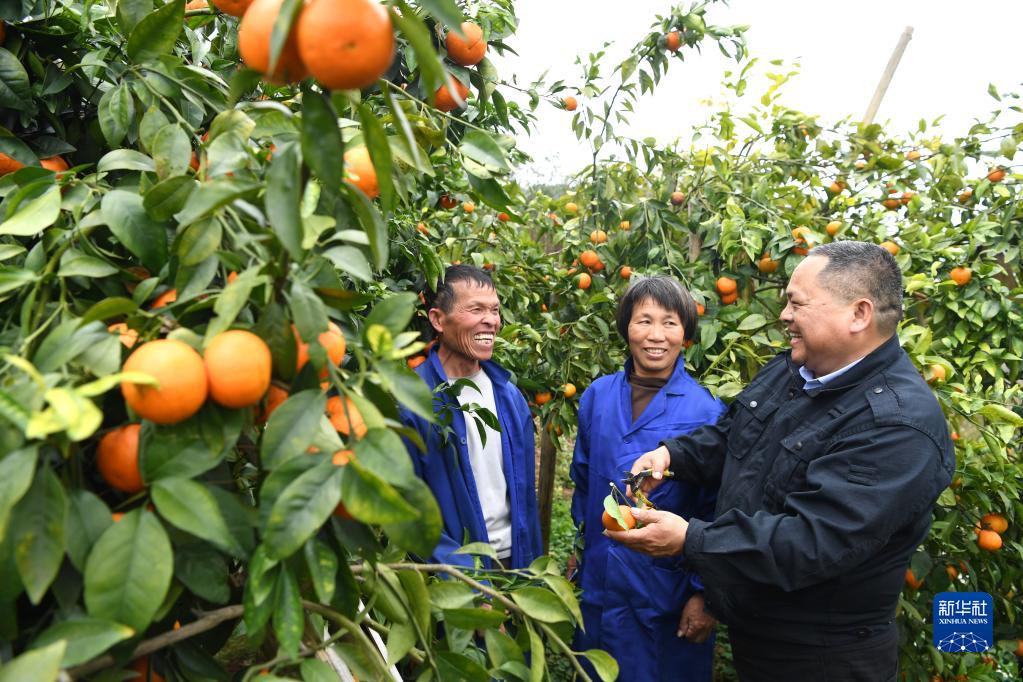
(886, 77)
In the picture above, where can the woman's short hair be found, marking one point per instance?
(668, 293)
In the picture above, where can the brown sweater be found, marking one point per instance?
(643, 391)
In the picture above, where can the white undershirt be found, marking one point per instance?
(487, 465)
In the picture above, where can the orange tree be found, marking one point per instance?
(207, 284)
(731, 214)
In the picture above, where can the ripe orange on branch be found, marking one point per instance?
(766, 264)
(569, 103)
(833, 227)
(961, 276)
(445, 101)
(995, 522)
(467, 51)
(238, 366)
(542, 398)
(996, 174)
(726, 286)
(673, 41)
(254, 44)
(584, 281)
(989, 540)
(117, 459)
(235, 8)
(891, 247)
(589, 258)
(345, 417)
(181, 374)
(598, 236)
(332, 340)
(360, 172)
(345, 44)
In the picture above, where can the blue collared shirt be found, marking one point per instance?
(817, 383)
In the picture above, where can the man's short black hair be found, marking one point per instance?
(444, 297)
(863, 270)
(666, 292)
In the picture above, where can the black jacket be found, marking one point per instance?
(823, 497)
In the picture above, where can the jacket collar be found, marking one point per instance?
(678, 382)
(498, 375)
(881, 357)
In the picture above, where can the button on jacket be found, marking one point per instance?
(824, 495)
(631, 603)
(446, 470)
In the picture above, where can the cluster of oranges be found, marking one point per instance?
(728, 289)
(989, 531)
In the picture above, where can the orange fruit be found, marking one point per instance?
(274, 397)
(989, 540)
(995, 522)
(912, 581)
(238, 367)
(145, 674)
(913, 155)
(345, 44)
(125, 334)
(598, 236)
(729, 299)
(996, 174)
(196, 5)
(9, 164)
(965, 195)
(421, 227)
(700, 310)
(345, 417)
(726, 285)
(766, 264)
(568, 390)
(235, 8)
(610, 523)
(584, 281)
(54, 163)
(625, 272)
(937, 373)
(955, 435)
(332, 340)
(443, 100)
(415, 361)
(599, 266)
(117, 459)
(164, 299)
(961, 276)
(677, 198)
(467, 51)
(446, 202)
(1019, 647)
(254, 43)
(341, 458)
(359, 171)
(907, 196)
(891, 204)
(833, 227)
(569, 103)
(891, 247)
(117, 516)
(835, 188)
(589, 258)
(625, 225)
(571, 207)
(503, 217)
(232, 276)
(673, 41)
(543, 397)
(468, 206)
(952, 572)
(181, 374)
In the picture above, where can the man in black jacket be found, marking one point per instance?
(828, 464)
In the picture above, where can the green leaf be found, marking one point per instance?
(259, 590)
(131, 12)
(157, 33)
(302, 507)
(477, 548)
(125, 159)
(38, 665)
(484, 150)
(380, 153)
(371, 499)
(87, 518)
(419, 536)
(540, 604)
(407, 387)
(372, 223)
(502, 649)
(286, 18)
(15, 278)
(284, 197)
(454, 666)
(16, 473)
(203, 571)
(999, 414)
(292, 426)
(400, 640)
(474, 619)
(604, 663)
(754, 321)
(288, 614)
(129, 571)
(86, 638)
(418, 596)
(167, 197)
(126, 216)
(315, 670)
(74, 263)
(537, 662)
(394, 312)
(322, 564)
(171, 151)
(199, 241)
(35, 215)
(212, 195)
(37, 533)
(566, 593)
(321, 139)
(446, 12)
(232, 299)
(15, 89)
(109, 307)
(116, 110)
(350, 260)
(192, 508)
(191, 447)
(411, 26)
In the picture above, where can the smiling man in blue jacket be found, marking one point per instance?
(483, 479)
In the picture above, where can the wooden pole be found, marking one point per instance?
(886, 77)
(545, 495)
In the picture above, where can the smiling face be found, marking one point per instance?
(467, 331)
(655, 339)
(822, 328)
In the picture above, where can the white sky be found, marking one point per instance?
(956, 50)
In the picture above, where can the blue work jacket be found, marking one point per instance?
(446, 469)
(631, 602)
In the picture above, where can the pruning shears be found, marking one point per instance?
(633, 480)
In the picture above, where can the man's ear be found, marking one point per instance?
(436, 316)
(863, 315)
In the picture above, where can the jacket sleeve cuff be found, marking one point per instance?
(694, 544)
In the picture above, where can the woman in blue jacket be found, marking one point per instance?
(648, 613)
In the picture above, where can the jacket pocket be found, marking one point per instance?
(788, 471)
(751, 413)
